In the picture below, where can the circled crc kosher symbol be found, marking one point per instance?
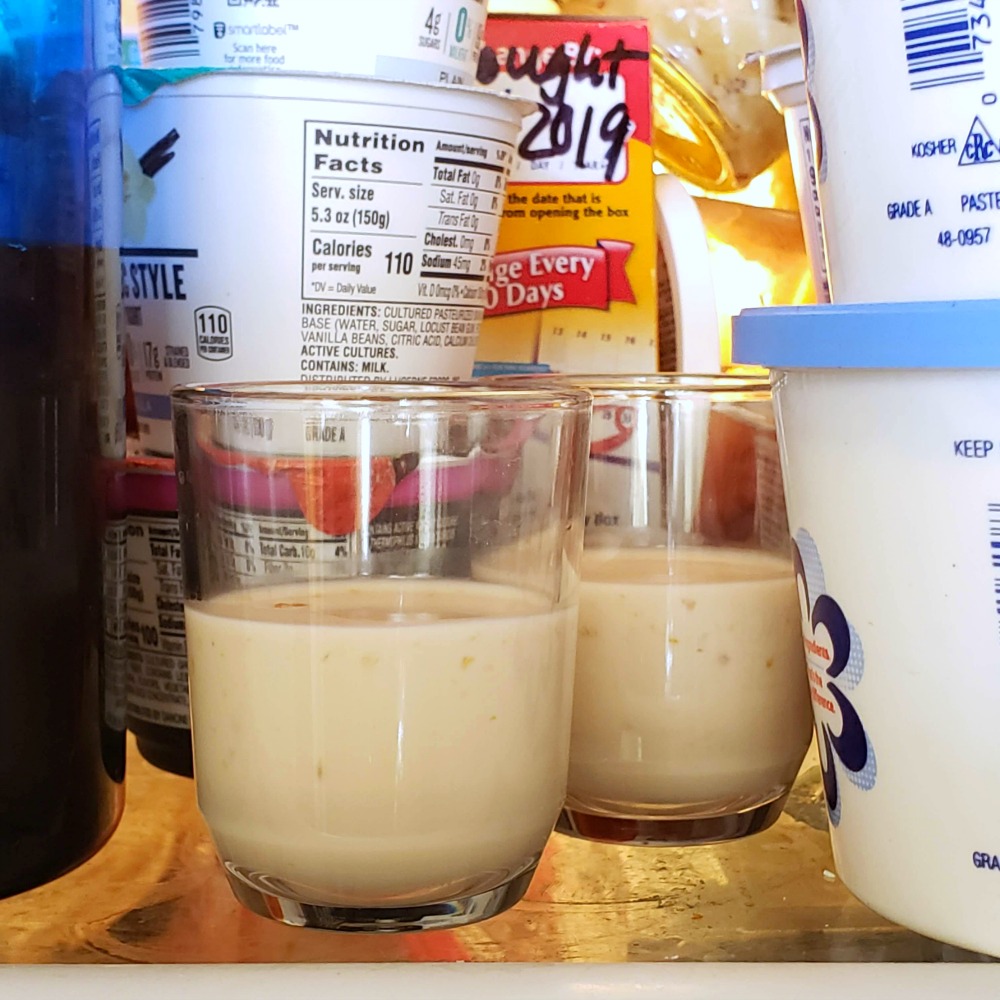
(980, 146)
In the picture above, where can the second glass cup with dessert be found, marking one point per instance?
(691, 709)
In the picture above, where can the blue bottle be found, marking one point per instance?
(61, 741)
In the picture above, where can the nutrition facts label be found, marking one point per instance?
(115, 644)
(389, 262)
(248, 545)
(157, 650)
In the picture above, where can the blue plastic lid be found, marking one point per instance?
(46, 66)
(886, 335)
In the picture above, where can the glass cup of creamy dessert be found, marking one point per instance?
(691, 710)
(382, 743)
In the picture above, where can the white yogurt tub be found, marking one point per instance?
(907, 114)
(308, 228)
(889, 425)
(783, 83)
(400, 39)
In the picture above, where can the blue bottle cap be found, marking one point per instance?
(46, 67)
(884, 335)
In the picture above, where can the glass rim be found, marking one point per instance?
(413, 395)
(665, 385)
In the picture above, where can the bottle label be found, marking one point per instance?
(156, 642)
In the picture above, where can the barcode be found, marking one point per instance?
(941, 46)
(168, 30)
(994, 514)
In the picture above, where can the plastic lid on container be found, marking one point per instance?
(783, 76)
(885, 335)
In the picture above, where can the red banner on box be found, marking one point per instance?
(560, 276)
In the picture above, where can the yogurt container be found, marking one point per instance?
(904, 99)
(264, 529)
(887, 420)
(400, 39)
(308, 228)
(783, 83)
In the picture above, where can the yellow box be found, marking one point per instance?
(573, 282)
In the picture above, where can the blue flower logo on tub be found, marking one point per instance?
(836, 664)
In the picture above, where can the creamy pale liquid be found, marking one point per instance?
(691, 688)
(384, 741)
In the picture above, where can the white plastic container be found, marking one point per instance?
(783, 83)
(906, 103)
(400, 39)
(303, 227)
(889, 428)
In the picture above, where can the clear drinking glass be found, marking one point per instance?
(381, 692)
(691, 711)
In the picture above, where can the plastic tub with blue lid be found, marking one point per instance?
(889, 429)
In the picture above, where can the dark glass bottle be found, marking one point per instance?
(61, 526)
